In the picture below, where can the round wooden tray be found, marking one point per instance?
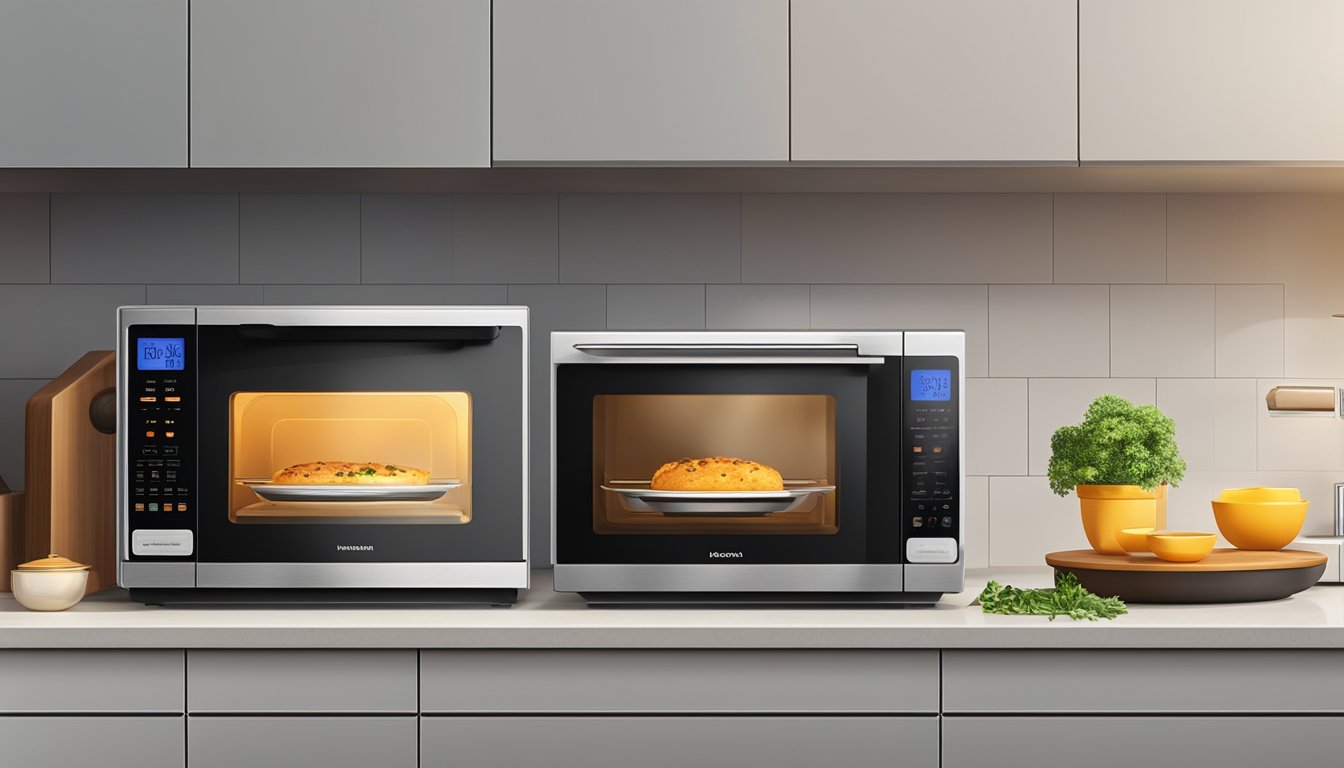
(1225, 576)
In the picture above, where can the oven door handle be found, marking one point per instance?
(837, 353)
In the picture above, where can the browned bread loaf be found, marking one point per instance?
(716, 473)
(350, 473)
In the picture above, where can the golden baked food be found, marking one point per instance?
(716, 473)
(350, 473)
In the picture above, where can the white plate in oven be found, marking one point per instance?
(719, 503)
(355, 492)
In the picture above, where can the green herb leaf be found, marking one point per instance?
(1068, 598)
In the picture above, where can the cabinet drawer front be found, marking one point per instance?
(679, 681)
(1141, 681)
(301, 742)
(107, 742)
(678, 742)
(301, 681)
(1067, 742)
(90, 681)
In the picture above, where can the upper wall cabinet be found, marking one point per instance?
(641, 81)
(935, 82)
(340, 83)
(1212, 80)
(93, 84)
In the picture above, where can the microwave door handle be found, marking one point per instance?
(840, 353)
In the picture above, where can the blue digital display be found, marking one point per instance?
(930, 385)
(160, 354)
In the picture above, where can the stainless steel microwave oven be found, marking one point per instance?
(322, 454)
(859, 437)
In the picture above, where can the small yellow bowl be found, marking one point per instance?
(1182, 546)
(1260, 526)
(1260, 494)
(1134, 540)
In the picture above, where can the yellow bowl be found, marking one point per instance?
(1181, 546)
(1133, 540)
(1258, 495)
(1265, 526)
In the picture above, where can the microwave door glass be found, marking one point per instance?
(792, 434)
(350, 458)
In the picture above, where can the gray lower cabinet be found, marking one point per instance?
(106, 742)
(256, 681)
(678, 742)
(93, 84)
(78, 681)
(340, 83)
(1123, 742)
(301, 742)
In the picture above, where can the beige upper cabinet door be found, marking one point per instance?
(93, 84)
(1212, 81)
(340, 83)
(641, 81)
(933, 82)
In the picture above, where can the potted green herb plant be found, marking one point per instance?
(1119, 461)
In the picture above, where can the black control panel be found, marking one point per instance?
(161, 442)
(930, 447)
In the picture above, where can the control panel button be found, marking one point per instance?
(931, 550)
(162, 543)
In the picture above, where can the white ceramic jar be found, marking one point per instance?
(51, 583)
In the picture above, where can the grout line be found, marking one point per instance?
(1166, 239)
(1054, 273)
(1110, 348)
(49, 254)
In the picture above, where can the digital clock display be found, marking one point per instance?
(160, 354)
(928, 385)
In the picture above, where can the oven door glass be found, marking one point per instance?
(428, 420)
(366, 458)
(831, 431)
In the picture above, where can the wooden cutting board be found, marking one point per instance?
(1218, 560)
(1225, 576)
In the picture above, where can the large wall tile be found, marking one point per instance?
(1049, 330)
(1188, 507)
(975, 522)
(757, 306)
(14, 394)
(896, 238)
(506, 239)
(996, 426)
(1215, 420)
(1250, 330)
(1253, 238)
(51, 326)
(909, 307)
(656, 306)
(650, 239)
(1162, 330)
(385, 294)
(553, 308)
(1052, 403)
(1110, 239)
(1312, 337)
(204, 294)
(405, 239)
(1288, 442)
(144, 239)
(1027, 520)
(300, 239)
(25, 251)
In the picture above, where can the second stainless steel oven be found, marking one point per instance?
(758, 466)
(322, 453)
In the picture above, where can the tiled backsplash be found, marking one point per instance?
(1199, 303)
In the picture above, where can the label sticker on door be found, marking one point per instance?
(162, 543)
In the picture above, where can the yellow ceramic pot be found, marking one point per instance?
(1264, 526)
(1182, 546)
(1107, 509)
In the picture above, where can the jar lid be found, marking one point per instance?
(53, 562)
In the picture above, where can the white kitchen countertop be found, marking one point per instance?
(545, 619)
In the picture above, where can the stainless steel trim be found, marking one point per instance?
(567, 346)
(1339, 509)
(946, 578)
(144, 574)
(728, 578)
(363, 575)
(674, 349)
(365, 315)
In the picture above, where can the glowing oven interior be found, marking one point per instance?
(633, 435)
(269, 431)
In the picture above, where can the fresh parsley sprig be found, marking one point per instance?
(1068, 598)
